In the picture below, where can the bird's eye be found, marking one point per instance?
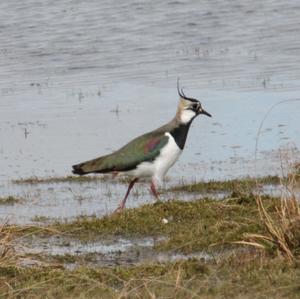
(195, 106)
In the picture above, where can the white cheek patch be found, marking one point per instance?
(186, 116)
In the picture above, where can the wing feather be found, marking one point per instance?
(141, 149)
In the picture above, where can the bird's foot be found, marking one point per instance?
(119, 209)
(154, 191)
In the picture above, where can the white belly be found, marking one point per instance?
(159, 167)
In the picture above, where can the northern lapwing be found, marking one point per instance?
(152, 154)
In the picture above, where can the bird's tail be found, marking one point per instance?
(92, 166)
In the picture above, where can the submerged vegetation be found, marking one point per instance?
(67, 179)
(252, 242)
(9, 200)
(244, 185)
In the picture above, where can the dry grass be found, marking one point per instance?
(7, 252)
(282, 227)
(241, 275)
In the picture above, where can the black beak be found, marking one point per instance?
(202, 111)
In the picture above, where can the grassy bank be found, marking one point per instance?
(252, 240)
(187, 226)
(238, 276)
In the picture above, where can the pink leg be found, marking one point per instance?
(153, 190)
(123, 202)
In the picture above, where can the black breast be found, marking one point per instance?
(180, 133)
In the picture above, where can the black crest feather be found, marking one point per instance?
(182, 95)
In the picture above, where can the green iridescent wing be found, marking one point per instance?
(141, 149)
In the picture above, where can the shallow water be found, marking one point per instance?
(102, 252)
(78, 80)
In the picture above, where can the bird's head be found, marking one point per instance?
(188, 108)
